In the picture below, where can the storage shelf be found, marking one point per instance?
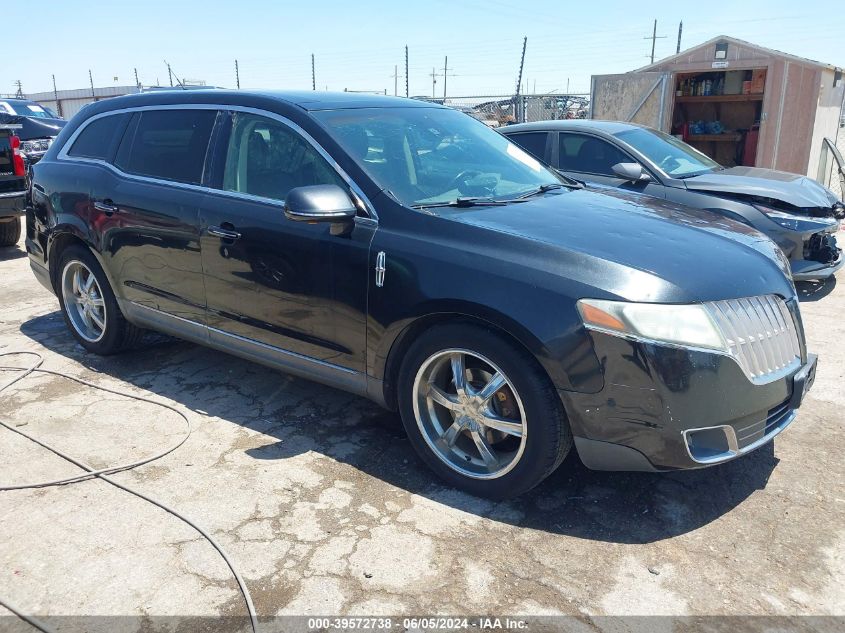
(723, 138)
(718, 98)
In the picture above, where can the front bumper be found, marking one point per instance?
(665, 408)
(805, 270)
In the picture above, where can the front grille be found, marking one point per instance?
(753, 432)
(760, 333)
(36, 146)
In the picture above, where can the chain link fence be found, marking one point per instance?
(502, 110)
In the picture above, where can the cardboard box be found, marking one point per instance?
(758, 81)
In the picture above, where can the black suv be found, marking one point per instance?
(408, 253)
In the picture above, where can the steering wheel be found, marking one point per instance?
(461, 179)
(669, 163)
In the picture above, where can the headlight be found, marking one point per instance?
(791, 221)
(685, 325)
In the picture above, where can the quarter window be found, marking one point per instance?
(588, 154)
(532, 142)
(167, 144)
(98, 138)
(267, 158)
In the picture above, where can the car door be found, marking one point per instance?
(294, 286)
(591, 159)
(147, 210)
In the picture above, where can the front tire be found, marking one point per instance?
(89, 306)
(10, 232)
(481, 412)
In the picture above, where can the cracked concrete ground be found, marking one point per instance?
(324, 508)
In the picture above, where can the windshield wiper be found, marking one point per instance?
(466, 202)
(549, 187)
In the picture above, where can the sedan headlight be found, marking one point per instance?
(687, 325)
(793, 221)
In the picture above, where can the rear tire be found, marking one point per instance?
(89, 306)
(10, 232)
(449, 425)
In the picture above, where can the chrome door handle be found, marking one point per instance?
(105, 207)
(222, 233)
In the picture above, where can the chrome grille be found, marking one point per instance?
(760, 333)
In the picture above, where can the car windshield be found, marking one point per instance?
(670, 154)
(429, 156)
(28, 109)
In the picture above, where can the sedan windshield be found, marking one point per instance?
(670, 154)
(432, 156)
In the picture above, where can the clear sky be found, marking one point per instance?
(357, 43)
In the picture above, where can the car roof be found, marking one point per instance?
(310, 100)
(581, 125)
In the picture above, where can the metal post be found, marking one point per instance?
(313, 74)
(445, 72)
(170, 74)
(237, 75)
(137, 82)
(56, 96)
(407, 94)
(433, 81)
(91, 79)
(680, 30)
(396, 80)
(517, 104)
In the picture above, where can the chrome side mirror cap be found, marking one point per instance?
(319, 203)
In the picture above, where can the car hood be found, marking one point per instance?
(793, 189)
(637, 247)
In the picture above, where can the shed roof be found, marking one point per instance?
(734, 40)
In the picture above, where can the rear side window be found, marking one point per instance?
(532, 142)
(99, 138)
(167, 144)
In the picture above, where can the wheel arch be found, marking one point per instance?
(60, 239)
(393, 348)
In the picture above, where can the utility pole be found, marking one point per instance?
(237, 75)
(680, 30)
(395, 76)
(654, 37)
(433, 81)
(137, 82)
(446, 70)
(519, 81)
(91, 79)
(56, 97)
(407, 94)
(169, 74)
(313, 74)
(19, 93)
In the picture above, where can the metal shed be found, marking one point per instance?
(740, 103)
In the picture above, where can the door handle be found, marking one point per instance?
(222, 233)
(106, 206)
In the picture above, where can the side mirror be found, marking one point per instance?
(319, 203)
(631, 171)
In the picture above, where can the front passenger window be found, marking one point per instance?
(267, 158)
(588, 154)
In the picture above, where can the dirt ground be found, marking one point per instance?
(324, 508)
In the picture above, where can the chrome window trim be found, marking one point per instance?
(356, 190)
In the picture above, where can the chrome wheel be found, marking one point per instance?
(83, 299)
(469, 413)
